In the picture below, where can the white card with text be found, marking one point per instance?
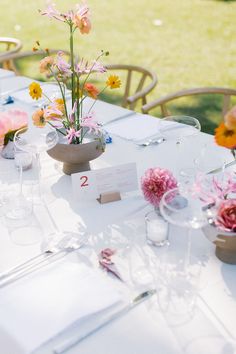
(91, 184)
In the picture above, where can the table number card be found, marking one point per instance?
(105, 184)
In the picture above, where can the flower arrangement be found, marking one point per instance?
(74, 123)
(214, 190)
(225, 133)
(10, 122)
(218, 194)
(226, 215)
(155, 183)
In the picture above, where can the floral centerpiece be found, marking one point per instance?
(155, 183)
(74, 122)
(11, 121)
(219, 195)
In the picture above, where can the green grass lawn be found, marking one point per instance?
(195, 45)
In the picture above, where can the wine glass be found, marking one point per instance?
(182, 208)
(36, 140)
(30, 140)
(178, 129)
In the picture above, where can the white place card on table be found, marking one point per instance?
(104, 182)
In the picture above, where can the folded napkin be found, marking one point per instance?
(136, 127)
(49, 89)
(41, 306)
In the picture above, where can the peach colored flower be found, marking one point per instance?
(81, 19)
(45, 64)
(38, 118)
(91, 90)
(230, 119)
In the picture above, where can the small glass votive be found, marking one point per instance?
(157, 229)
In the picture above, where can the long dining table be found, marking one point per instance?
(29, 312)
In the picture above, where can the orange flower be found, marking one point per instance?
(45, 64)
(91, 90)
(38, 118)
(225, 137)
(230, 119)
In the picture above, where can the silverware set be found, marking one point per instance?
(70, 243)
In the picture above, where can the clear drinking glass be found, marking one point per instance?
(35, 141)
(157, 229)
(181, 207)
(180, 129)
(32, 141)
(176, 289)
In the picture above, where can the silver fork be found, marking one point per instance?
(65, 246)
(154, 141)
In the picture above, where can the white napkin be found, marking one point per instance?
(39, 307)
(49, 89)
(135, 127)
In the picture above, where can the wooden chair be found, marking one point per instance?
(133, 83)
(30, 56)
(162, 102)
(11, 46)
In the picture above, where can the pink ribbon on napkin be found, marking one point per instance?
(106, 262)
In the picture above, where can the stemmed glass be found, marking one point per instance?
(30, 140)
(179, 128)
(179, 276)
(182, 208)
(35, 141)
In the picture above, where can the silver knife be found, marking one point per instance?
(216, 170)
(77, 338)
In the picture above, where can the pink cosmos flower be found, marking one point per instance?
(11, 121)
(98, 67)
(212, 190)
(72, 133)
(226, 215)
(89, 122)
(84, 67)
(62, 65)
(155, 183)
(52, 12)
(52, 113)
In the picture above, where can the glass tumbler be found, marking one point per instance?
(157, 229)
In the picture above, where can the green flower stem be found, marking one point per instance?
(57, 129)
(62, 94)
(95, 99)
(72, 63)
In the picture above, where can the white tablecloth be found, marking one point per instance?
(144, 329)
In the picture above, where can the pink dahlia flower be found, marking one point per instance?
(155, 183)
(226, 215)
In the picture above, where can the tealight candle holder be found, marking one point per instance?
(157, 229)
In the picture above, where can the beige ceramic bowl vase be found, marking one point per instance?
(225, 243)
(76, 158)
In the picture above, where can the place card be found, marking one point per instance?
(105, 184)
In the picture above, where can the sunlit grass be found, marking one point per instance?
(193, 43)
